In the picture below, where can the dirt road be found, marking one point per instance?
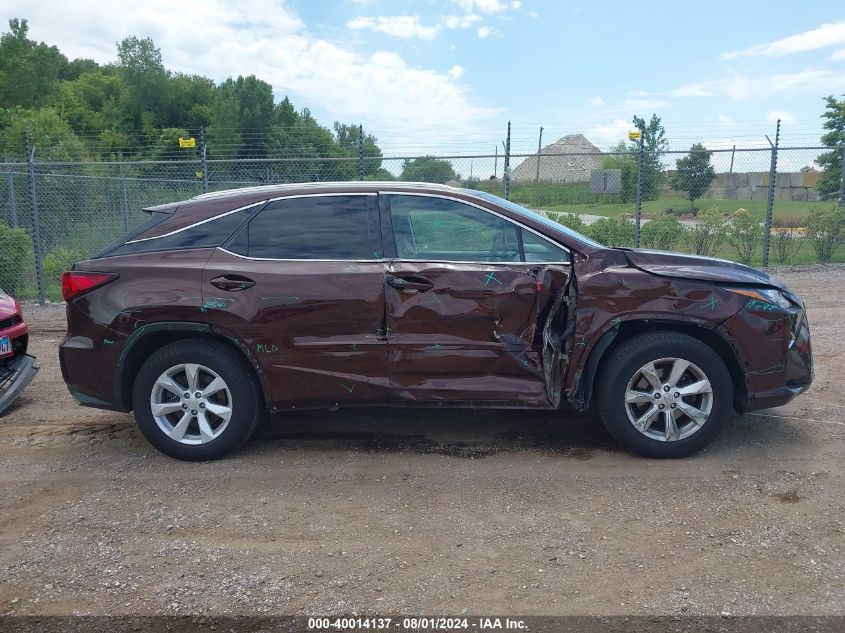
(401, 511)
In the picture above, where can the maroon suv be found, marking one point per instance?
(231, 304)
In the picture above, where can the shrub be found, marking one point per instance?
(745, 235)
(705, 235)
(785, 243)
(661, 233)
(59, 260)
(615, 231)
(570, 220)
(17, 257)
(826, 230)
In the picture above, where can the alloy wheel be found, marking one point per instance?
(191, 404)
(668, 399)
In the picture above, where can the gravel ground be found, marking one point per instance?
(403, 511)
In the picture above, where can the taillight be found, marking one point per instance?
(77, 283)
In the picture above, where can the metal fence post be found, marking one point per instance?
(360, 152)
(13, 205)
(842, 181)
(36, 225)
(203, 164)
(639, 209)
(124, 201)
(770, 202)
(539, 148)
(507, 173)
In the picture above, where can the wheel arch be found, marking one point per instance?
(583, 392)
(147, 339)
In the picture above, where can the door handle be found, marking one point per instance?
(232, 283)
(410, 284)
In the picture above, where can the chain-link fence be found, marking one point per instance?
(752, 205)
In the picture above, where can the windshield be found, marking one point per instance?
(528, 213)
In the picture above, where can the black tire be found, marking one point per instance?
(229, 364)
(624, 363)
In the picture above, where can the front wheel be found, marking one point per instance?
(196, 400)
(664, 394)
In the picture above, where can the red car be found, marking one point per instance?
(17, 368)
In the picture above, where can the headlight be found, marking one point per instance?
(766, 295)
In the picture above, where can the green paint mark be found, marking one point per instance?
(266, 348)
(582, 344)
(525, 362)
(711, 304)
(435, 299)
(214, 303)
(108, 341)
(348, 388)
(616, 322)
(376, 254)
(352, 267)
(492, 277)
(762, 306)
(354, 346)
(438, 346)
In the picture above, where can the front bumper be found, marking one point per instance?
(15, 375)
(777, 357)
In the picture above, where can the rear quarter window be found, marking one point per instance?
(209, 233)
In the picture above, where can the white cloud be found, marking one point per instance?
(404, 26)
(609, 133)
(726, 120)
(784, 116)
(596, 101)
(516, 4)
(828, 34)
(456, 71)
(533, 14)
(483, 6)
(268, 39)
(740, 87)
(460, 21)
(838, 56)
(485, 31)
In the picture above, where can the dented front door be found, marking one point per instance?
(470, 332)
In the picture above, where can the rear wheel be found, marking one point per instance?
(665, 394)
(196, 400)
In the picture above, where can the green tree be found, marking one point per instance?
(831, 162)
(48, 132)
(427, 169)
(29, 71)
(145, 76)
(654, 145)
(694, 173)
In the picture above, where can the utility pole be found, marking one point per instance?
(639, 214)
(508, 164)
(770, 203)
(539, 147)
(13, 205)
(203, 161)
(36, 223)
(360, 152)
(733, 151)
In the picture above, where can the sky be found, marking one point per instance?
(445, 76)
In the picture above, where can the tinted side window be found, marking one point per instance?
(317, 227)
(441, 229)
(208, 234)
(538, 249)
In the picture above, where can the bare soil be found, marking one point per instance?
(405, 511)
